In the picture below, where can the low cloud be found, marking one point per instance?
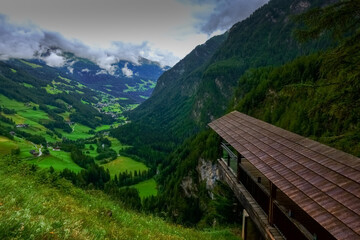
(54, 60)
(126, 71)
(225, 13)
(29, 41)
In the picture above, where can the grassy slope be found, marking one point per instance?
(59, 160)
(26, 115)
(40, 206)
(80, 132)
(146, 188)
(124, 163)
(6, 145)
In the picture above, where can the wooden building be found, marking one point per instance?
(290, 186)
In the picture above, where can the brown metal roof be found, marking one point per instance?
(323, 181)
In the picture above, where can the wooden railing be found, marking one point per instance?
(281, 220)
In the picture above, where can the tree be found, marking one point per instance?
(342, 20)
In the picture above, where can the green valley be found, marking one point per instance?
(107, 144)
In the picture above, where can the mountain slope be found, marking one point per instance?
(189, 96)
(132, 82)
(39, 204)
(172, 97)
(263, 42)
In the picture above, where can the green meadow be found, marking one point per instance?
(80, 132)
(59, 160)
(40, 205)
(6, 145)
(88, 151)
(33, 65)
(26, 115)
(116, 145)
(102, 128)
(122, 164)
(146, 188)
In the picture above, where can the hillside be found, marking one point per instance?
(131, 82)
(200, 92)
(306, 87)
(56, 122)
(75, 163)
(41, 205)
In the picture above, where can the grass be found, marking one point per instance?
(92, 153)
(28, 85)
(121, 164)
(33, 65)
(52, 89)
(65, 79)
(26, 115)
(39, 205)
(84, 102)
(59, 160)
(116, 144)
(140, 87)
(6, 145)
(146, 188)
(102, 127)
(80, 132)
(115, 108)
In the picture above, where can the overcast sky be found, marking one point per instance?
(106, 30)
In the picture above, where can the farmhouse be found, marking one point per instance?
(34, 153)
(22, 125)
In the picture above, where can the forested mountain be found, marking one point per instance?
(130, 81)
(308, 87)
(190, 95)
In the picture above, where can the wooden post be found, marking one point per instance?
(228, 159)
(271, 203)
(220, 149)
(238, 166)
(244, 225)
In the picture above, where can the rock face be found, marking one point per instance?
(208, 172)
(189, 187)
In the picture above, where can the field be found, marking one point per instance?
(102, 128)
(140, 87)
(38, 205)
(80, 131)
(59, 160)
(33, 65)
(88, 151)
(6, 145)
(146, 188)
(26, 115)
(116, 145)
(121, 164)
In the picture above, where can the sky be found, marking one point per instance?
(109, 30)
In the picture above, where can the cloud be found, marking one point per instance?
(29, 41)
(126, 71)
(54, 60)
(225, 13)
